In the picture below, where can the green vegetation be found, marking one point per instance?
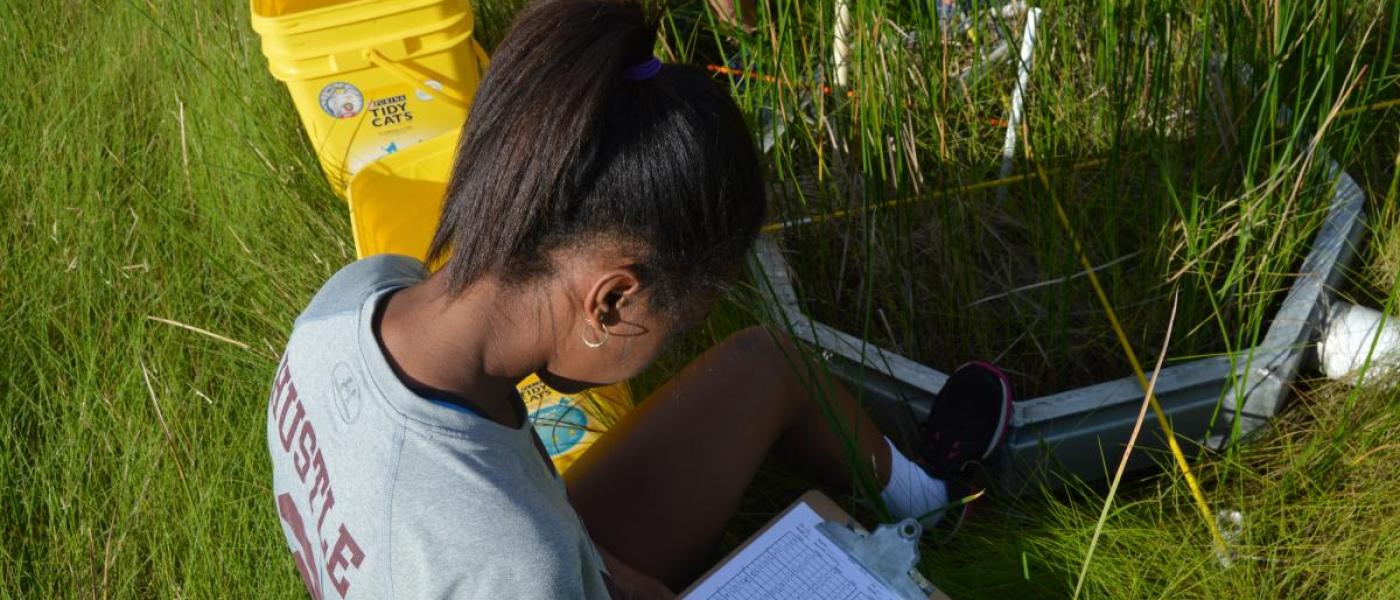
(165, 220)
(1177, 170)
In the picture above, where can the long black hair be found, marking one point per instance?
(561, 150)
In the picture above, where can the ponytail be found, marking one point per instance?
(566, 142)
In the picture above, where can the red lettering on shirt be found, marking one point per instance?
(346, 553)
(284, 430)
(306, 446)
(320, 486)
(309, 577)
(309, 464)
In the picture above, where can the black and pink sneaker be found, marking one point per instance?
(966, 426)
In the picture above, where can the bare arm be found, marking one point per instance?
(634, 584)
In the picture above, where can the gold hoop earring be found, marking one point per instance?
(598, 344)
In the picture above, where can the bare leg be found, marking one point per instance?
(658, 490)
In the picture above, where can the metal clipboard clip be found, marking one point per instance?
(890, 554)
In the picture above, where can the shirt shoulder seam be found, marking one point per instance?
(393, 485)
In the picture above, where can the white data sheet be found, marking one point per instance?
(791, 561)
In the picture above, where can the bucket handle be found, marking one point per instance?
(413, 77)
(482, 59)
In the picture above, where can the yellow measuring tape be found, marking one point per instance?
(1177, 453)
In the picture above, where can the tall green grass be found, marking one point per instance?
(1198, 177)
(1182, 137)
(153, 170)
(155, 173)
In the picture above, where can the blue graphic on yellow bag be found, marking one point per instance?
(561, 426)
(568, 424)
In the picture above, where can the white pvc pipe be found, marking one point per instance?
(1347, 341)
(840, 43)
(1023, 74)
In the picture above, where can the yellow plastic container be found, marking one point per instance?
(371, 77)
(395, 204)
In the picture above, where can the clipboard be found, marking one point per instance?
(836, 520)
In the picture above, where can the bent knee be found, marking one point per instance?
(763, 346)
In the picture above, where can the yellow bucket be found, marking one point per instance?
(395, 202)
(371, 77)
(394, 207)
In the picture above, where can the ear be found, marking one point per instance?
(609, 293)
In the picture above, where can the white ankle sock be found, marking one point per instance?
(911, 492)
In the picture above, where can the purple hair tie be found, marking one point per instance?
(642, 71)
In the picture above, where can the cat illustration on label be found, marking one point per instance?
(342, 100)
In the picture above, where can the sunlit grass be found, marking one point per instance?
(154, 173)
(1200, 123)
(1197, 178)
